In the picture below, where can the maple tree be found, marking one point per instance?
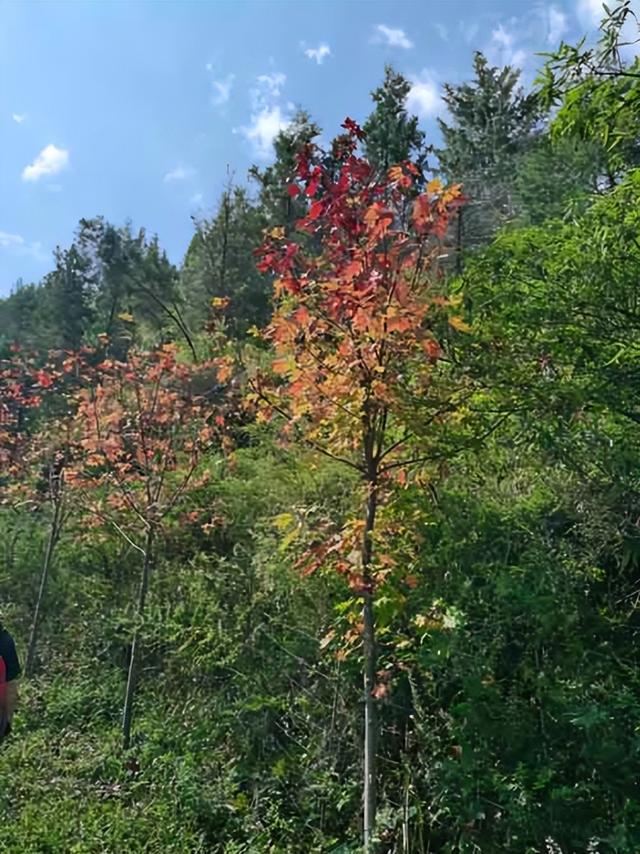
(35, 420)
(141, 433)
(27, 382)
(15, 399)
(353, 349)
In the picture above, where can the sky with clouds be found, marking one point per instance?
(144, 110)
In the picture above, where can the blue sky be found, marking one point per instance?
(141, 110)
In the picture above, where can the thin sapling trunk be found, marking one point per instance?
(132, 678)
(370, 664)
(54, 533)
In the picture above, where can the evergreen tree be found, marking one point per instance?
(109, 280)
(555, 176)
(493, 122)
(392, 134)
(278, 207)
(70, 297)
(220, 263)
(22, 316)
(132, 280)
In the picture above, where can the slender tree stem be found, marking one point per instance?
(370, 794)
(54, 531)
(132, 678)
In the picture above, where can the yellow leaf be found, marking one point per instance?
(452, 193)
(223, 371)
(126, 317)
(281, 366)
(283, 521)
(326, 640)
(425, 621)
(459, 324)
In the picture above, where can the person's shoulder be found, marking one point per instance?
(5, 637)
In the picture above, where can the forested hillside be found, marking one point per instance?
(328, 540)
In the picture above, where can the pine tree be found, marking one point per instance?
(70, 298)
(392, 135)
(133, 282)
(493, 123)
(220, 263)
(278, 207)
(555, 176)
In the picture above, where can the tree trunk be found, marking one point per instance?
(459, 243)
(406, 838)
(44, 577)
(370, 659)
(132, 678)
(10, 558)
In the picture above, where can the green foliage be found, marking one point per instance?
(109, 281)
(392, 135)
(233, 751)
(597, 92)
(24, 318)
(556, 178)
(527, 661)
(508, 628)
(277, 205)
(492, 122)
(134, 283)
(563, 299)
(70, 298)
(220, 263)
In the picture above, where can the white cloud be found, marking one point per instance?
(318, 53)
(468, 30)
(502, 49)
(557, 25)
(424, 97)
(630, 33)
(196, 199)
(17, 245)
(222, 90)
(180, 173)
(394, 37)
(18, 117)
(50, 161)
(442, 31)
(590, 12)
(270, 85)
(268, 116)
(9, 241)
(221, 87)
(264, 128)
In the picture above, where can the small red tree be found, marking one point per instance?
(22, 385)
(142, 430)
(18, 403)
(353, 345)
(35, 396)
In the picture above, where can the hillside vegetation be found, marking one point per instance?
(329, 540)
